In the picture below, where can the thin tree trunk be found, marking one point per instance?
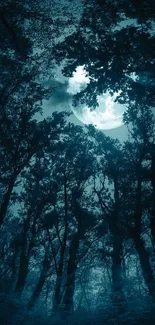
(26, 248)
(71, 273)
(6, 200)
(152, 223)
(118, 298)
(23, 271)
(40, 284)
(145, 264)
(14, 259)
(57, 294)
(24, 259)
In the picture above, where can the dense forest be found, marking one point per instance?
(77, 207)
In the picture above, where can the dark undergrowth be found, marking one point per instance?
(13, 311)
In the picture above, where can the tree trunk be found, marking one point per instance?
(24, 258)
(13, 264)
(116, 261)
(152, 223)
(71, 273)
(57, 294)
(27, 245)
(118, 298)
(41, 281)
(152, 226)
(23, 271)
(6, 200)
(140, 246)
(145, 264)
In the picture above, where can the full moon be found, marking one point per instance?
(108, 115)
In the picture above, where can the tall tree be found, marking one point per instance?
(139, 152)
(107, 188)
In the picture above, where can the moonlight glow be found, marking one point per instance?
(108, 115)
